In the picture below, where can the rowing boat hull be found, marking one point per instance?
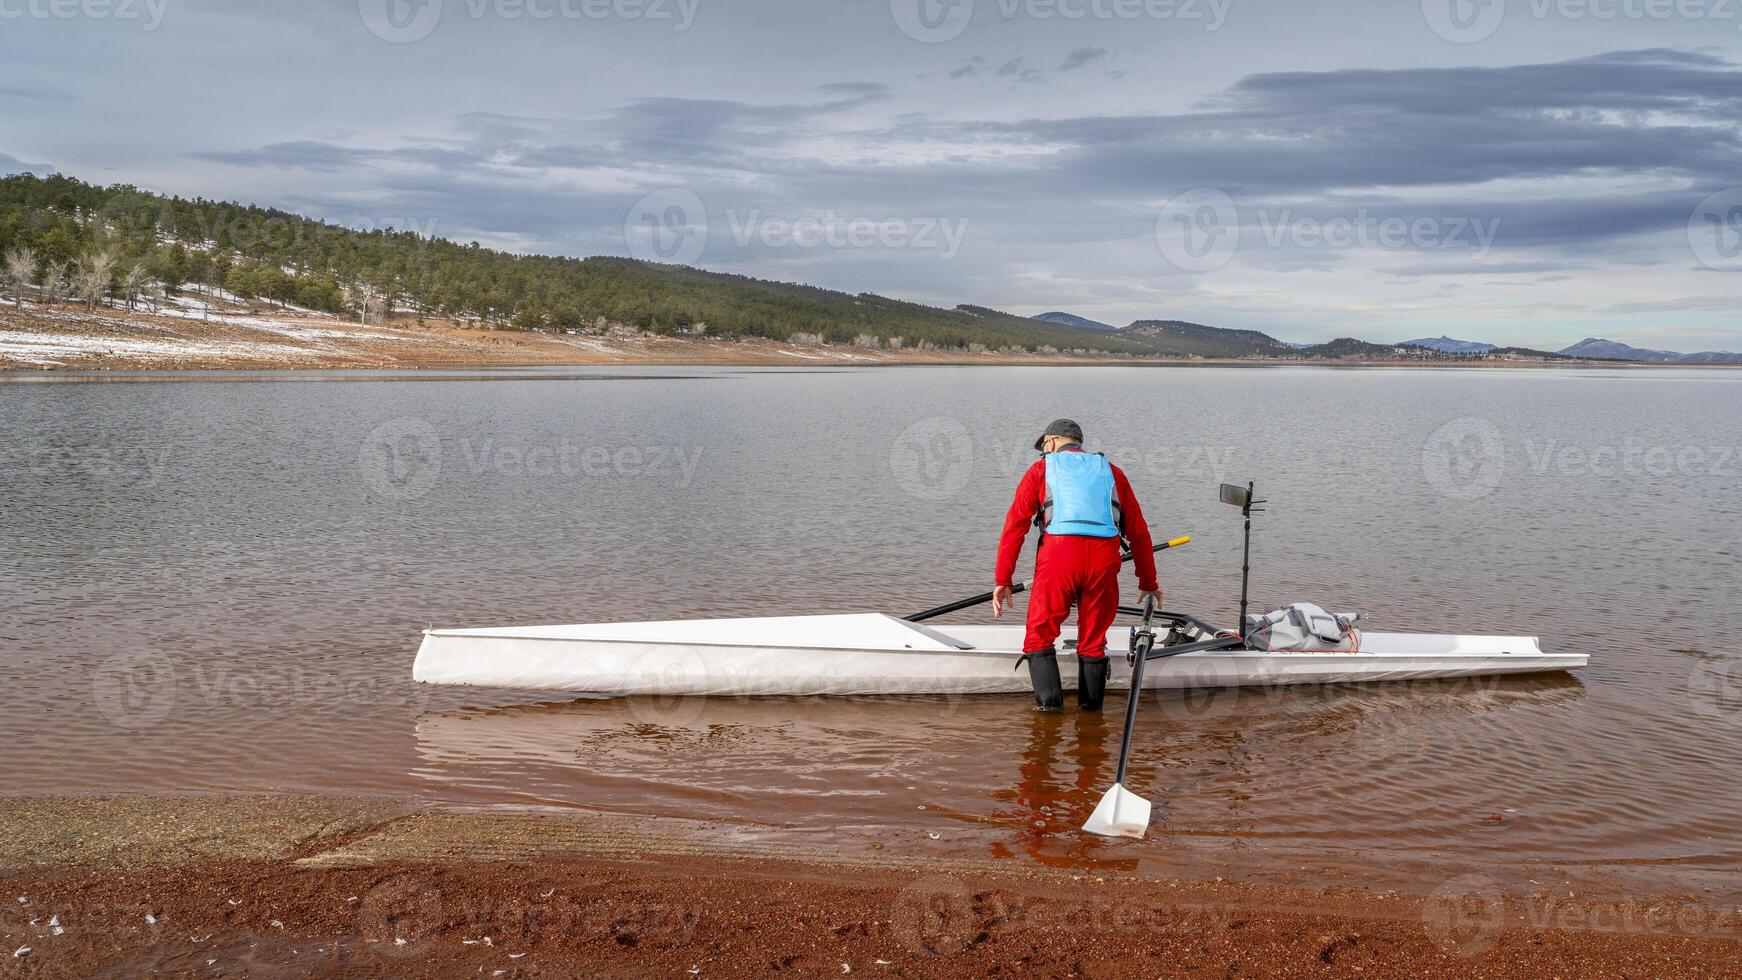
(879, 655)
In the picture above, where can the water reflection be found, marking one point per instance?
(1065, 766)
(1391, 765)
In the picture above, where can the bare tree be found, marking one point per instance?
(19, 270)
(96, 270)
(133, 282)
(152, 292)
(211, 289)
(55, 285)
(367, 298)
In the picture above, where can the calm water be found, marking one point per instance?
(219, 586)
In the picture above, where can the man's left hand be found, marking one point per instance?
(1145, 595)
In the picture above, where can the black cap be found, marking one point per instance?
(1060, 427)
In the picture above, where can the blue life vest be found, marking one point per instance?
(1080, 496)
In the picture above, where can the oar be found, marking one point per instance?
(1122, 813)
(1022, 586)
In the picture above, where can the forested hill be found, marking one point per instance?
(63, 239)
(180, 245)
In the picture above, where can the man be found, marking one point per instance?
(1084, 507)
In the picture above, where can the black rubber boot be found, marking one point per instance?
(1091, 682)
(1043, 672)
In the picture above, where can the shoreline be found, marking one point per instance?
(333, 887)
(43, 342)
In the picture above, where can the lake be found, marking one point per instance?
(219, 586)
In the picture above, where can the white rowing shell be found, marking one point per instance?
(874, 654)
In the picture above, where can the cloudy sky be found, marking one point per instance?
(1517, 171)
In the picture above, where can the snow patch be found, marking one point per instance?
(33, 348)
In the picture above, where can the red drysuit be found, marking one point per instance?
(1072, 568)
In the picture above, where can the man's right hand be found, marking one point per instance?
(1002, 595)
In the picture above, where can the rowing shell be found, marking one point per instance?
(874, 654)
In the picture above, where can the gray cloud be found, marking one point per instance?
(1471, 129)
(1310, 133)
(540, 136)
(35, 94)
(324, 157)
(1082, 56)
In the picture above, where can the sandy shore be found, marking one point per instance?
(293, 886)
(245, 339)
(240, 337)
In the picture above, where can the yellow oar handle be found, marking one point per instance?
(1176, 542)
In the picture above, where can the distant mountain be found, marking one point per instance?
(1451, 346)
(1350, 347)
(1198, 340)
(1072, 320)
(1616, 351)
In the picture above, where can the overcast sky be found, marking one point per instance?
(1516, 171)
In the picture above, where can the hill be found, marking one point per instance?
(66, 242)
(1617, 351)
(1350, 347)
(1180, 337)
(106, 241)
(1451, 346)
(1613, 350)
(1072, 320)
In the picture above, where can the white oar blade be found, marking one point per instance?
(1121, 813)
